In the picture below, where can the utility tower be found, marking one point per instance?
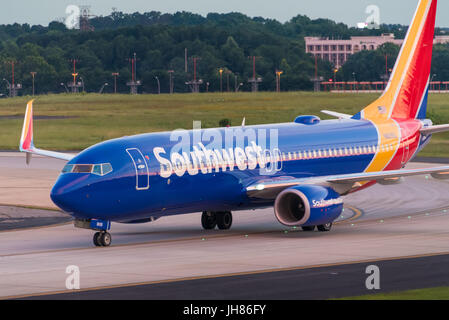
(74, 86)
(85, 17)
(254, 81)
(134, 84)
(195, 83)
(12, 86)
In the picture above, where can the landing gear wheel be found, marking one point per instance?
(224, 220)
(325, 227)
(208, 220)
(309, 228)
(105, 239)
(97, 236)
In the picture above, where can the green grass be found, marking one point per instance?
(94, 118)
(441, 293)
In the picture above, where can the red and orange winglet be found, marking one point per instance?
(26, 141)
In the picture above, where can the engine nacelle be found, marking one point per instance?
(308, 205)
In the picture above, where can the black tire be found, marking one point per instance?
(309, 228)
(325, 227)
(209, 220)
(224, 220)
(97, 242)
(106, 239)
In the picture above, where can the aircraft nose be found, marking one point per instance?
(65, 193)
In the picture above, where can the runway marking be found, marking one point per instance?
(224, 275)
(357, 214)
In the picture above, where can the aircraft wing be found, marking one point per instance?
(269, 189)
(27, 144)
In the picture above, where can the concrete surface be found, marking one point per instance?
(35, 261)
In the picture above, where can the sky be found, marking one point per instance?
(350, 12)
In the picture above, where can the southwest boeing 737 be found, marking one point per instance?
(302, 168)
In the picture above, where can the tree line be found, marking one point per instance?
(220, 41)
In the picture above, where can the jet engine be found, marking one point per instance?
(308, 205)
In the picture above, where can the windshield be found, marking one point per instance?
(96, 169)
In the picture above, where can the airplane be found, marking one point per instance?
(303, 169)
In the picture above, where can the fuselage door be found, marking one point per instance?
(141, 166)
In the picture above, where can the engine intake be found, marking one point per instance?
(308, 205)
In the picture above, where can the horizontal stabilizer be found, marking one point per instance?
(434, 129)
(336, 114)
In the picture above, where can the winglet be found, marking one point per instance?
(26, 141)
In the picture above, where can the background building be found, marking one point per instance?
(339, 51)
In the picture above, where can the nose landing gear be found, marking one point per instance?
(102, 239)
(222, 220)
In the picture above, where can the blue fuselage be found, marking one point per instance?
(148, 180)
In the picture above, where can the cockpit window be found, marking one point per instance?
(82, 168)
(97, 169)
(68, 168)
(107, 168)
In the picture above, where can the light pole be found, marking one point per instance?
(221, 79)
(170, 72)
(65, 87)
(102, 88)
(33, 74)
(278, 80)
(115, 75)
(431, 79)
(238, 87)
(82, 82)
(9, 86)
(158, 85)
(228, 72)
(353, 77)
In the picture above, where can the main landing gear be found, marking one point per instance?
(222, 220)
(321, 228)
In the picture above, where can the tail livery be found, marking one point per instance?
(406, 94)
